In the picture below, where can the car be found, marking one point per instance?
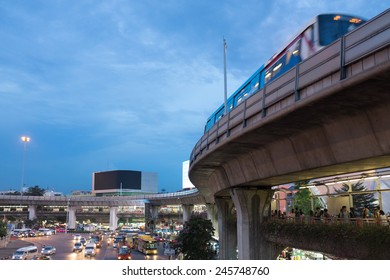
(83, 241)
(41, 257)
(78, 247)
(90, 250)
(77, 237)
(159, 238)
(48, 250)
(124, 253)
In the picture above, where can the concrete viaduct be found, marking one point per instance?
(187, 199)
(327, 116)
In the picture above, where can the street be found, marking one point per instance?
(64, 245)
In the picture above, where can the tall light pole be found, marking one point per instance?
(24, 139)
(225, 77)
(67, 216)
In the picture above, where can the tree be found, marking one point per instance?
(303, 197)
(3, 229)
(194, 239)
(14, 193)
(360, 200)
(34, 191)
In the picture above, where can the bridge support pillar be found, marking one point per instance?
(212, 216)
(151, 215)
(113, 218)
(227, 228)
(32, 212)
(72, 217)
(253, 207)
(187, 211)
(154, 211)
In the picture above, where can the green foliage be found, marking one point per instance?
(194, 239)
(360, 200)
(302, 198)
(3, 229)
(34, 191)
(14, 193)
(338, 239)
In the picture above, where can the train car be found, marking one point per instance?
(321, 31)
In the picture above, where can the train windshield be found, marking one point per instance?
(333, 27)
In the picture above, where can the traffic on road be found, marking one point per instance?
(94, 246)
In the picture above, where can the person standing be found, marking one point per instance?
(343, 215)
(366, 212)
(383, 218)
(352, 213)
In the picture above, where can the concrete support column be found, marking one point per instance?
(187, 211)
(72, 217)
(253, 207)
(227, 228)
(113, 218)
(32, 212)
(151, 215)
(154, 211)
(213, 217)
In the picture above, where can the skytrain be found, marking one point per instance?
(321, 31)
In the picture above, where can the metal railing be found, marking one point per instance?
(281, 93)
(359, 222)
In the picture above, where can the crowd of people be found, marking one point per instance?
(322, 215)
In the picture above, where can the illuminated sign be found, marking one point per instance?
(355, 20)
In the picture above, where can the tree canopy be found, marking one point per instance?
(302, 199)
(194, 239)
(360, 200)
(3, 229)
(34, 191)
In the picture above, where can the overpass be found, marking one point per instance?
(327, 116)
(186, 198)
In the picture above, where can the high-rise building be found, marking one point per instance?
(186, 183)
(124, 182)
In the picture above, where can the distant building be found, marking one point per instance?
(52, 193)
(124, 182)
(81, 193)
(186, 183)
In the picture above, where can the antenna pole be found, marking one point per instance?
(225, 78)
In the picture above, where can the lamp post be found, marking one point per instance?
(24, 139)
(67, 216)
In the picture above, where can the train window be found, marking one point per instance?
(274, 70)
(230, 104)
(245, 91)
(209, 124)
(293, 54)
(219, 114)
(333, 27)
(277, 68)
(296, 48)
(254, 86)
(238, 98)
(268, 76)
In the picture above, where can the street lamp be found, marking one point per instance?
(67, 216)
(24, 139)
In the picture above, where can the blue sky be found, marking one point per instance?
(115, 84)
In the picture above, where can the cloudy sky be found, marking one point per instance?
(128, 84)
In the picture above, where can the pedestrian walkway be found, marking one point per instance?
(12, 246)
